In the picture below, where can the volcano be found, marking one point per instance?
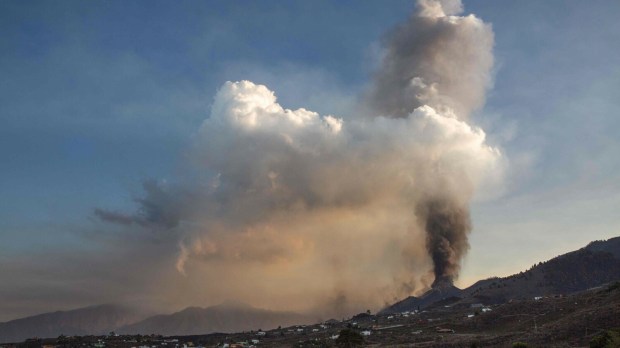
(442, 289)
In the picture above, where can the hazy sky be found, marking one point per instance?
(97, 97)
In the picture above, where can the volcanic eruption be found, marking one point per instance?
(447, 227)
(443, 61)
(308, 206)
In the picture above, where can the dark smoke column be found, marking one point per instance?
(442, 60)
(447, 226)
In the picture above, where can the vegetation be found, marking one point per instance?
(606, 339)
(614, 286)
(519, 345)
(315, 343)
(349, 338)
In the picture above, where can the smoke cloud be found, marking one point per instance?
(442, 61)
(289, 208)
(447, 225)
(435, 59)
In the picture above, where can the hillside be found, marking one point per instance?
(430, 297)
(90, 320)
(596, 264)
(227, 317)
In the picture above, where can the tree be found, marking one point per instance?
(349, 338)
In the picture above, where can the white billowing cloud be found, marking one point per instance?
(303, 196)
(441, 8)
(285, 156)
(291, 209)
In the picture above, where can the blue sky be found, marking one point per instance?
(97, 96)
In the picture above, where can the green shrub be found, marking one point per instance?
(349, 338)
(607, 339)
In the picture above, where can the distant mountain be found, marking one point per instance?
(596, 264)
(98, 320)
(90, 320)
(227, 317)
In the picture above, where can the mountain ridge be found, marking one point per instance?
(225, 317)
(97, 319)
(593, 265)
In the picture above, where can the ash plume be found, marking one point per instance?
(447, 226)
(442, 61)
(435, 59)
(303, 208)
